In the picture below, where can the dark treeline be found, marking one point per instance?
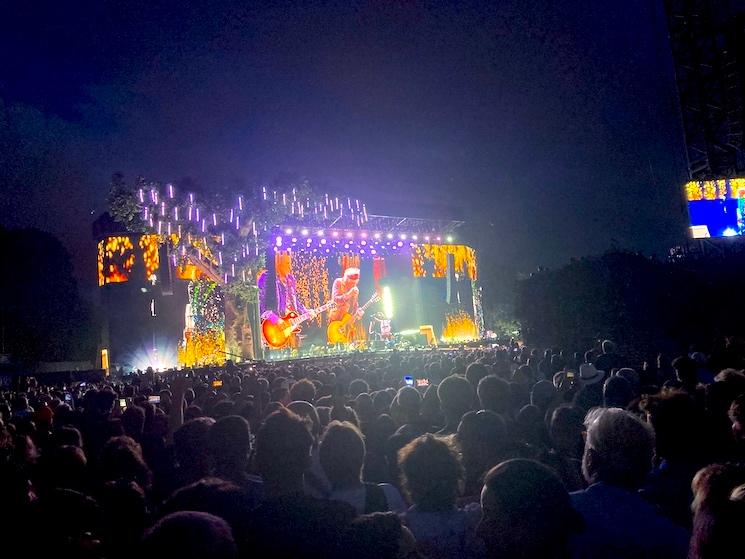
(641, 302)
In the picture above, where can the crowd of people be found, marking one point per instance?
(501, 452)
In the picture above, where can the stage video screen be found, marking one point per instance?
(716, 208)
(349, 301)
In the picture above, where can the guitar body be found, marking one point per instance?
(343, 331)
(277, 330)
(337, 331)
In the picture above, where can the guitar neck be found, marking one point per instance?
(370, 302)
(305, 316)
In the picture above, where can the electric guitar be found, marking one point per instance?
(277, 330)
(340, 331)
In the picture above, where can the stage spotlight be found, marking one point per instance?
(278, 241)
(320, 233)
(288, 231)
(363, 235)
(304, 232)
(415, 237)
(403, 236)
(426, 238)
(349, 234)
(389, 235)
(335, 234)
(161, 357)
(450, 238)
(376, 235)
(387, 302)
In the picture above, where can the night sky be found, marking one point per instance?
(551, 125)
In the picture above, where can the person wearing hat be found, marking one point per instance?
(345, 294)
(589, 374)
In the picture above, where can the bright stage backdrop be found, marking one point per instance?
(185, 280)
(426, 284)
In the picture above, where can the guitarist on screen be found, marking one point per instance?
(345, 294)
(287, 299)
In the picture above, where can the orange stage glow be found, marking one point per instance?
(115, 260)
(464, 260)
(459, 327)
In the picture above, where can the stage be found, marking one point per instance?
(277, 276)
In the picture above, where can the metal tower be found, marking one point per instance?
(710, 71)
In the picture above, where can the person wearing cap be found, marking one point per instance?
(345, 294)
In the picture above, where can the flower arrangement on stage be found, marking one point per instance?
(202, 348)
(459, 327)
(429, 260)
(204, 335)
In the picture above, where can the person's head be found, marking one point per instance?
(618, 448)
(531, 427)
(214, 496)
(431, 473)
(526, 511)
(482, 440)
(64, 467)
(737, 417)
(677, 424)
(190, 444)
(379, 535)
(686, 370)
(524, 375)
(475, 372)
(67, 436)
(283, 264)
(303, 390)
(352, 277)
(565, 430)
(283, 446)
(124, 512)
(408, 403)
(543, 394)
(631, 376)
(363, 406)
(494, 395)
(121, 458)
(228, 443)
(717, 510)
(358, 386)
(71, 521)
(133, 422)
(189, 535)
(617, 393)
(456, 397)
(342, 453)
(309, 413)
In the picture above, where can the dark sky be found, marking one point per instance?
(552, 125)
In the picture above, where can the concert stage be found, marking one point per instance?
(275, 276)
